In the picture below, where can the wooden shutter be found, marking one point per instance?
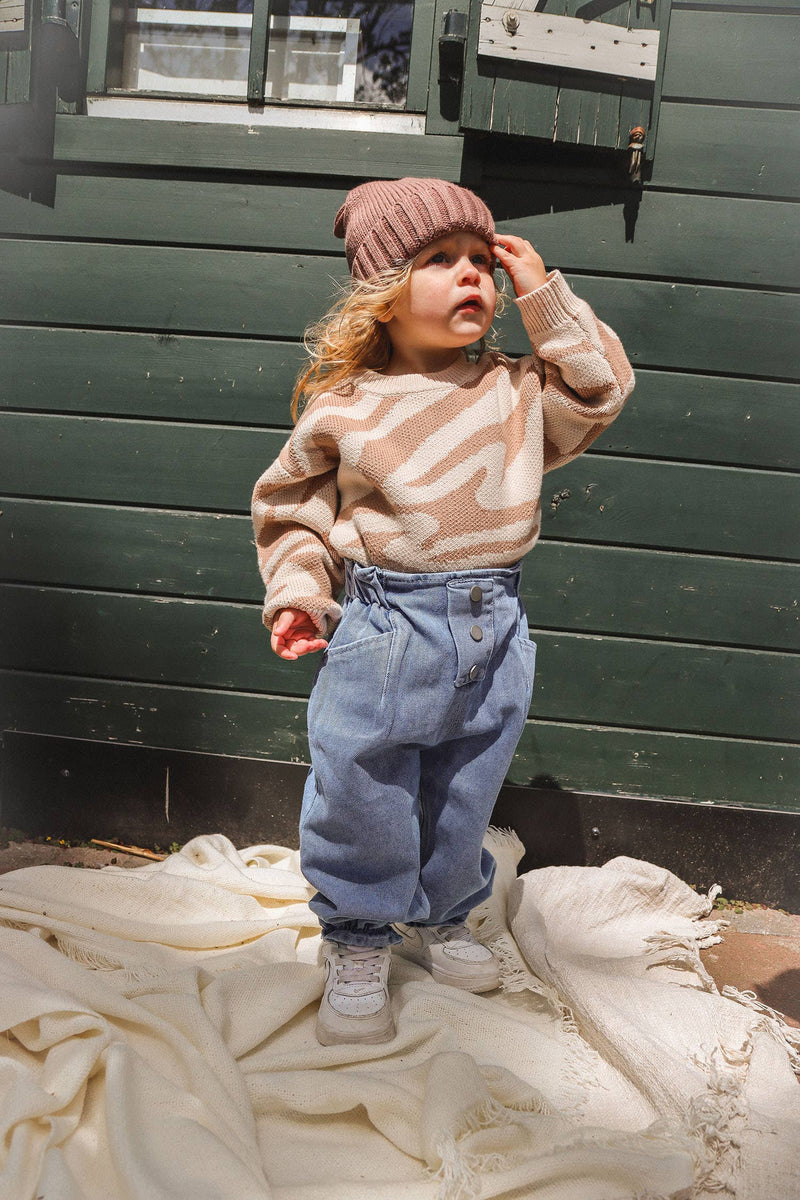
(572, 72)
(15, 51)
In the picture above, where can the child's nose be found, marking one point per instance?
(468, 269)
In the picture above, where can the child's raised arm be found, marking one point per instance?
(583, 372)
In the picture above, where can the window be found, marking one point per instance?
(349, 52)
(12, 16)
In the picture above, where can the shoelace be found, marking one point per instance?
(456, 933)
(359, 965)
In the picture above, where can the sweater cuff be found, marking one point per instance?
(325, 614)
(548, 306)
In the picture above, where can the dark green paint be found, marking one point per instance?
(652, 590)
(174, 290)
(720, 238)
(610, 499)
(635, 762)
(702, 418)
(255, 148)
(609, 680)
(738, 57)
(566, 585)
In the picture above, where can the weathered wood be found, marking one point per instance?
(172, 290)
(611, 500)
(719, 148)
(739, 57)
(673, 506)
(255, 148)
(704, 418)
(165, 288)
(234, 380)
(608, 680)
(509, 33)
(708, 238)
(12, 16)
(565, 585)
(638, 762)
(546, 102)
(16, 76)
(690, 327)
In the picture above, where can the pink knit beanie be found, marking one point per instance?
(387, 222)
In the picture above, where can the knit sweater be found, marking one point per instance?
(440, 472)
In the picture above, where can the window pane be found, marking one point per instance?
(334, 51)
(360, 47)
(12, 16)
(196, 47)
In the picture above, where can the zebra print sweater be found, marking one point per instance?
(437, 472)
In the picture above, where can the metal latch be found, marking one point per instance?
(62, 12)
(451, 47)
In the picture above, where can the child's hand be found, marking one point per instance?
(294, 633)
(521, 263)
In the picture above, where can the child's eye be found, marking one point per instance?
(480, 259)
(438, 257)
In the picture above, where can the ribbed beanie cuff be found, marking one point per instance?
(385, 223)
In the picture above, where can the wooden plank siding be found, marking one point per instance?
(566, 585)
(154, 314)
(751, 242)
(619, 500)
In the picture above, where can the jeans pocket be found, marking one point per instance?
(528, 651)
(349, 696)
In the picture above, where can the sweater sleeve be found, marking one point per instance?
(583, 371)
(294, 507)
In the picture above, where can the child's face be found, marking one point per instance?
(450, 298)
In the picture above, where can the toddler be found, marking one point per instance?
(413, 477)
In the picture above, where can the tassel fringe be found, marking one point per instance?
(772, 1023)
(459, 1173)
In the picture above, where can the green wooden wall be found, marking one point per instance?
(150, 319)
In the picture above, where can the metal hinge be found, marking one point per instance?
(62, 12)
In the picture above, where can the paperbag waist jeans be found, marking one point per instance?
(413, 720)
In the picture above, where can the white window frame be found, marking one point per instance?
(135, 79)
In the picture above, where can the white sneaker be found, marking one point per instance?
(451, 954)
(355, 1004)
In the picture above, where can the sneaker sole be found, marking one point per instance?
(488, 984)
(347, 1037)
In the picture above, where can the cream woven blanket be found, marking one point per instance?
(159, 1044)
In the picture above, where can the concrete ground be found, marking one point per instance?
(760, 951)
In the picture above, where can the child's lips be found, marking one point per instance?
(473, 304)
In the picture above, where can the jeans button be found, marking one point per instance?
(476, 633)
(475, 593)
(473, 672)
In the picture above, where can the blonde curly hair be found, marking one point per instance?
(351, 337)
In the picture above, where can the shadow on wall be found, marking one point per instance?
(749, 852)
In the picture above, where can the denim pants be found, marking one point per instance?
(416, 711)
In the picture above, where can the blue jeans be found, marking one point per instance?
(416, 711)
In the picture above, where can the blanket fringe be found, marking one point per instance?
(459, 1173)
(772, 1023)
(711, 1118)
(87, 955)
(683, 951)
(515, 976)
(581, 1068)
